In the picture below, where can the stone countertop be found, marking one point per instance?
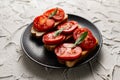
(16, 15)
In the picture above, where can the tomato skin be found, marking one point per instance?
(65, 52)
(42, 23)
(89, 42)
(69, 27)
(79, 31)
(50, 39)
(59, 15)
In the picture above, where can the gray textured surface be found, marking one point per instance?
(15, 15)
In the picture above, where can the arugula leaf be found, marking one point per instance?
(80, 39)
(58, 32)
(53, 13)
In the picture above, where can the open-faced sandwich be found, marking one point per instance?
(47, 21)
(52, 39)
(71, 53)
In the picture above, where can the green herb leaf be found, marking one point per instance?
(53, 13)
(80, 39)
(58, 32)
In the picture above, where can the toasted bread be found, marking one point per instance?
(38, 34)
(73, 62)
(50, 47)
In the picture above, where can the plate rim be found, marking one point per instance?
(46, 65)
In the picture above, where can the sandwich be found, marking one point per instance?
(48, 21)
(70, 54)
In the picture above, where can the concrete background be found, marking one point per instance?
(16, 15)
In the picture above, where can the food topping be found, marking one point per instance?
(89, 42)
(42, 23)
(65, 52)
(56, 13)
(49, 38)
(69, 26)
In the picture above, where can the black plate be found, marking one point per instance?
(35, 50)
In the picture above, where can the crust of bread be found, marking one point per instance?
(50, 47)
(39, 34)
(73, 62)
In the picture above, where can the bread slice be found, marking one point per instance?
(73, 62)
(50, 47)
(38, 34)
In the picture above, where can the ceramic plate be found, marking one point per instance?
(35, 50)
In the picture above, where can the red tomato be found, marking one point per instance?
(59, 15)
(79, 31)
(69, 27)
(42, 23)
(49, 38)
(65, 52)
(89, 41)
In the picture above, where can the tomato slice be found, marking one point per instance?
(65, 52)
(89, 42)
(69, 27)
(50, 39)
(42, 23)
(80, 31)
(59, 15)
